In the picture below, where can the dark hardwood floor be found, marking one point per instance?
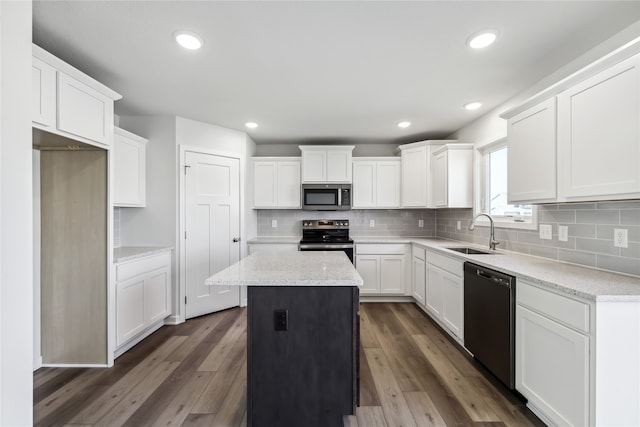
(194, 374)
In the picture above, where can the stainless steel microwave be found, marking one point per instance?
(326, 197)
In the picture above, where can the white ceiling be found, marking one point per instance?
(323, 71)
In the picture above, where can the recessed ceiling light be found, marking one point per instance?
(473, 105)
(404, 124)
(482, 39)
(188, 40)
(251, 125)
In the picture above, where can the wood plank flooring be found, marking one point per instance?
(194, 374)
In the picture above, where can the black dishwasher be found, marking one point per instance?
(489, 320)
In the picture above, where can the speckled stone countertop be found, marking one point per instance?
(314, 268)
(275, 239)
(588, 283)
(129, 253)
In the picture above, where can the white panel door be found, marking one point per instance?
(434, 291)
(368, 267)
(130, 309)
(599, 135)
(314, 166)
(43, 93)
(364, 179)
(453, 303)
(265, 183)
(338, 166)
(212, 223)
(419, 280)
(414, 177)
(440, 179)
(157, 294)
(552, 368)
(387, 184)
(288, 195)
(531, 154)
(392, 274)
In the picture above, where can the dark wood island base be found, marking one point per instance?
(302, 361)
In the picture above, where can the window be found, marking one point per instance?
(493, 190)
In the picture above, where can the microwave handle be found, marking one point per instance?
(339, 197)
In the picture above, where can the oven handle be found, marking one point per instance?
(321, 246)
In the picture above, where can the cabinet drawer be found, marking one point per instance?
(131, 269)
(381, 249)
(566, 310)
(451, 265)
(419, 253)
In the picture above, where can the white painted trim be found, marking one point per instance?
(386, 298)
(138, 338)
(72, 365)
(181, 253)
(111, 282)
(174, 320)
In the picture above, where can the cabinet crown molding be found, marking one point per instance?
(127, 134)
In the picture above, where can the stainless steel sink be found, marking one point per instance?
(472, 251)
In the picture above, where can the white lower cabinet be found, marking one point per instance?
(419, 284)
(444, 291)
(552, 355)
(143, 296)
(383, 268)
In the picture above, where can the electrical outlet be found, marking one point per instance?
(563, 233)
(620, 238)
(421, 223)
(546, 231)
(372, 223)
(274, 223)
(281, 320)
(459, 225)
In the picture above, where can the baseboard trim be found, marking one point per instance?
(385, 298)
(37, 363)
(135, 340)
(173, 320)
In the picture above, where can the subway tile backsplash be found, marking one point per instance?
(590, 227)
(392, 222)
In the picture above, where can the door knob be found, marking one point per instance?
(236, 239)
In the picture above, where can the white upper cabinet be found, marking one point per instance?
(69, 103)
(376, 182)
(276, 183)
(453, 176)
(43, 93)
(531, 154)
(129, 169)
(599, 135)
(322, 163)
(579, 140)
(416, 173)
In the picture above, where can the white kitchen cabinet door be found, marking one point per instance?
(452, 176)
(392, 274)
(129, 169)
(314, 166)
(338, 166)
(552, 368)
(368, 267)
(43, 93)
(453, 303)
(157, 294)
(83, 111)
(531, 154)
(440, 181)
(288, 188)
(129, 309)
(265, 184)
(599, 135)
(388, 180)
(434, 293)
(419, 280)
(414, 176)
(364, 189)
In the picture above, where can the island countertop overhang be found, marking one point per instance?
(316, 268)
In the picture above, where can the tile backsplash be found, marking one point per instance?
(392, 222)
(590, 238)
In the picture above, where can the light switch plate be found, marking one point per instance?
(546, 232)
(620, 238)
(372, 223)
(563, 233)
(459, 225)
(421, 223)
(274, 223)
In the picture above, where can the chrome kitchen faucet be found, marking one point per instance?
(492, 240)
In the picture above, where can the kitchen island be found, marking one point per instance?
(302, 336)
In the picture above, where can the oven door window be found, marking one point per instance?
(321, 197)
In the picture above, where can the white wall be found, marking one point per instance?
(16, 244)
(491, 127)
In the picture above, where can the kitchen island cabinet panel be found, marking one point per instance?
(305, 375)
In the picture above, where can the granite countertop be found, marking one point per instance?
(314, 268)
(275, 239)
(129, 253)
